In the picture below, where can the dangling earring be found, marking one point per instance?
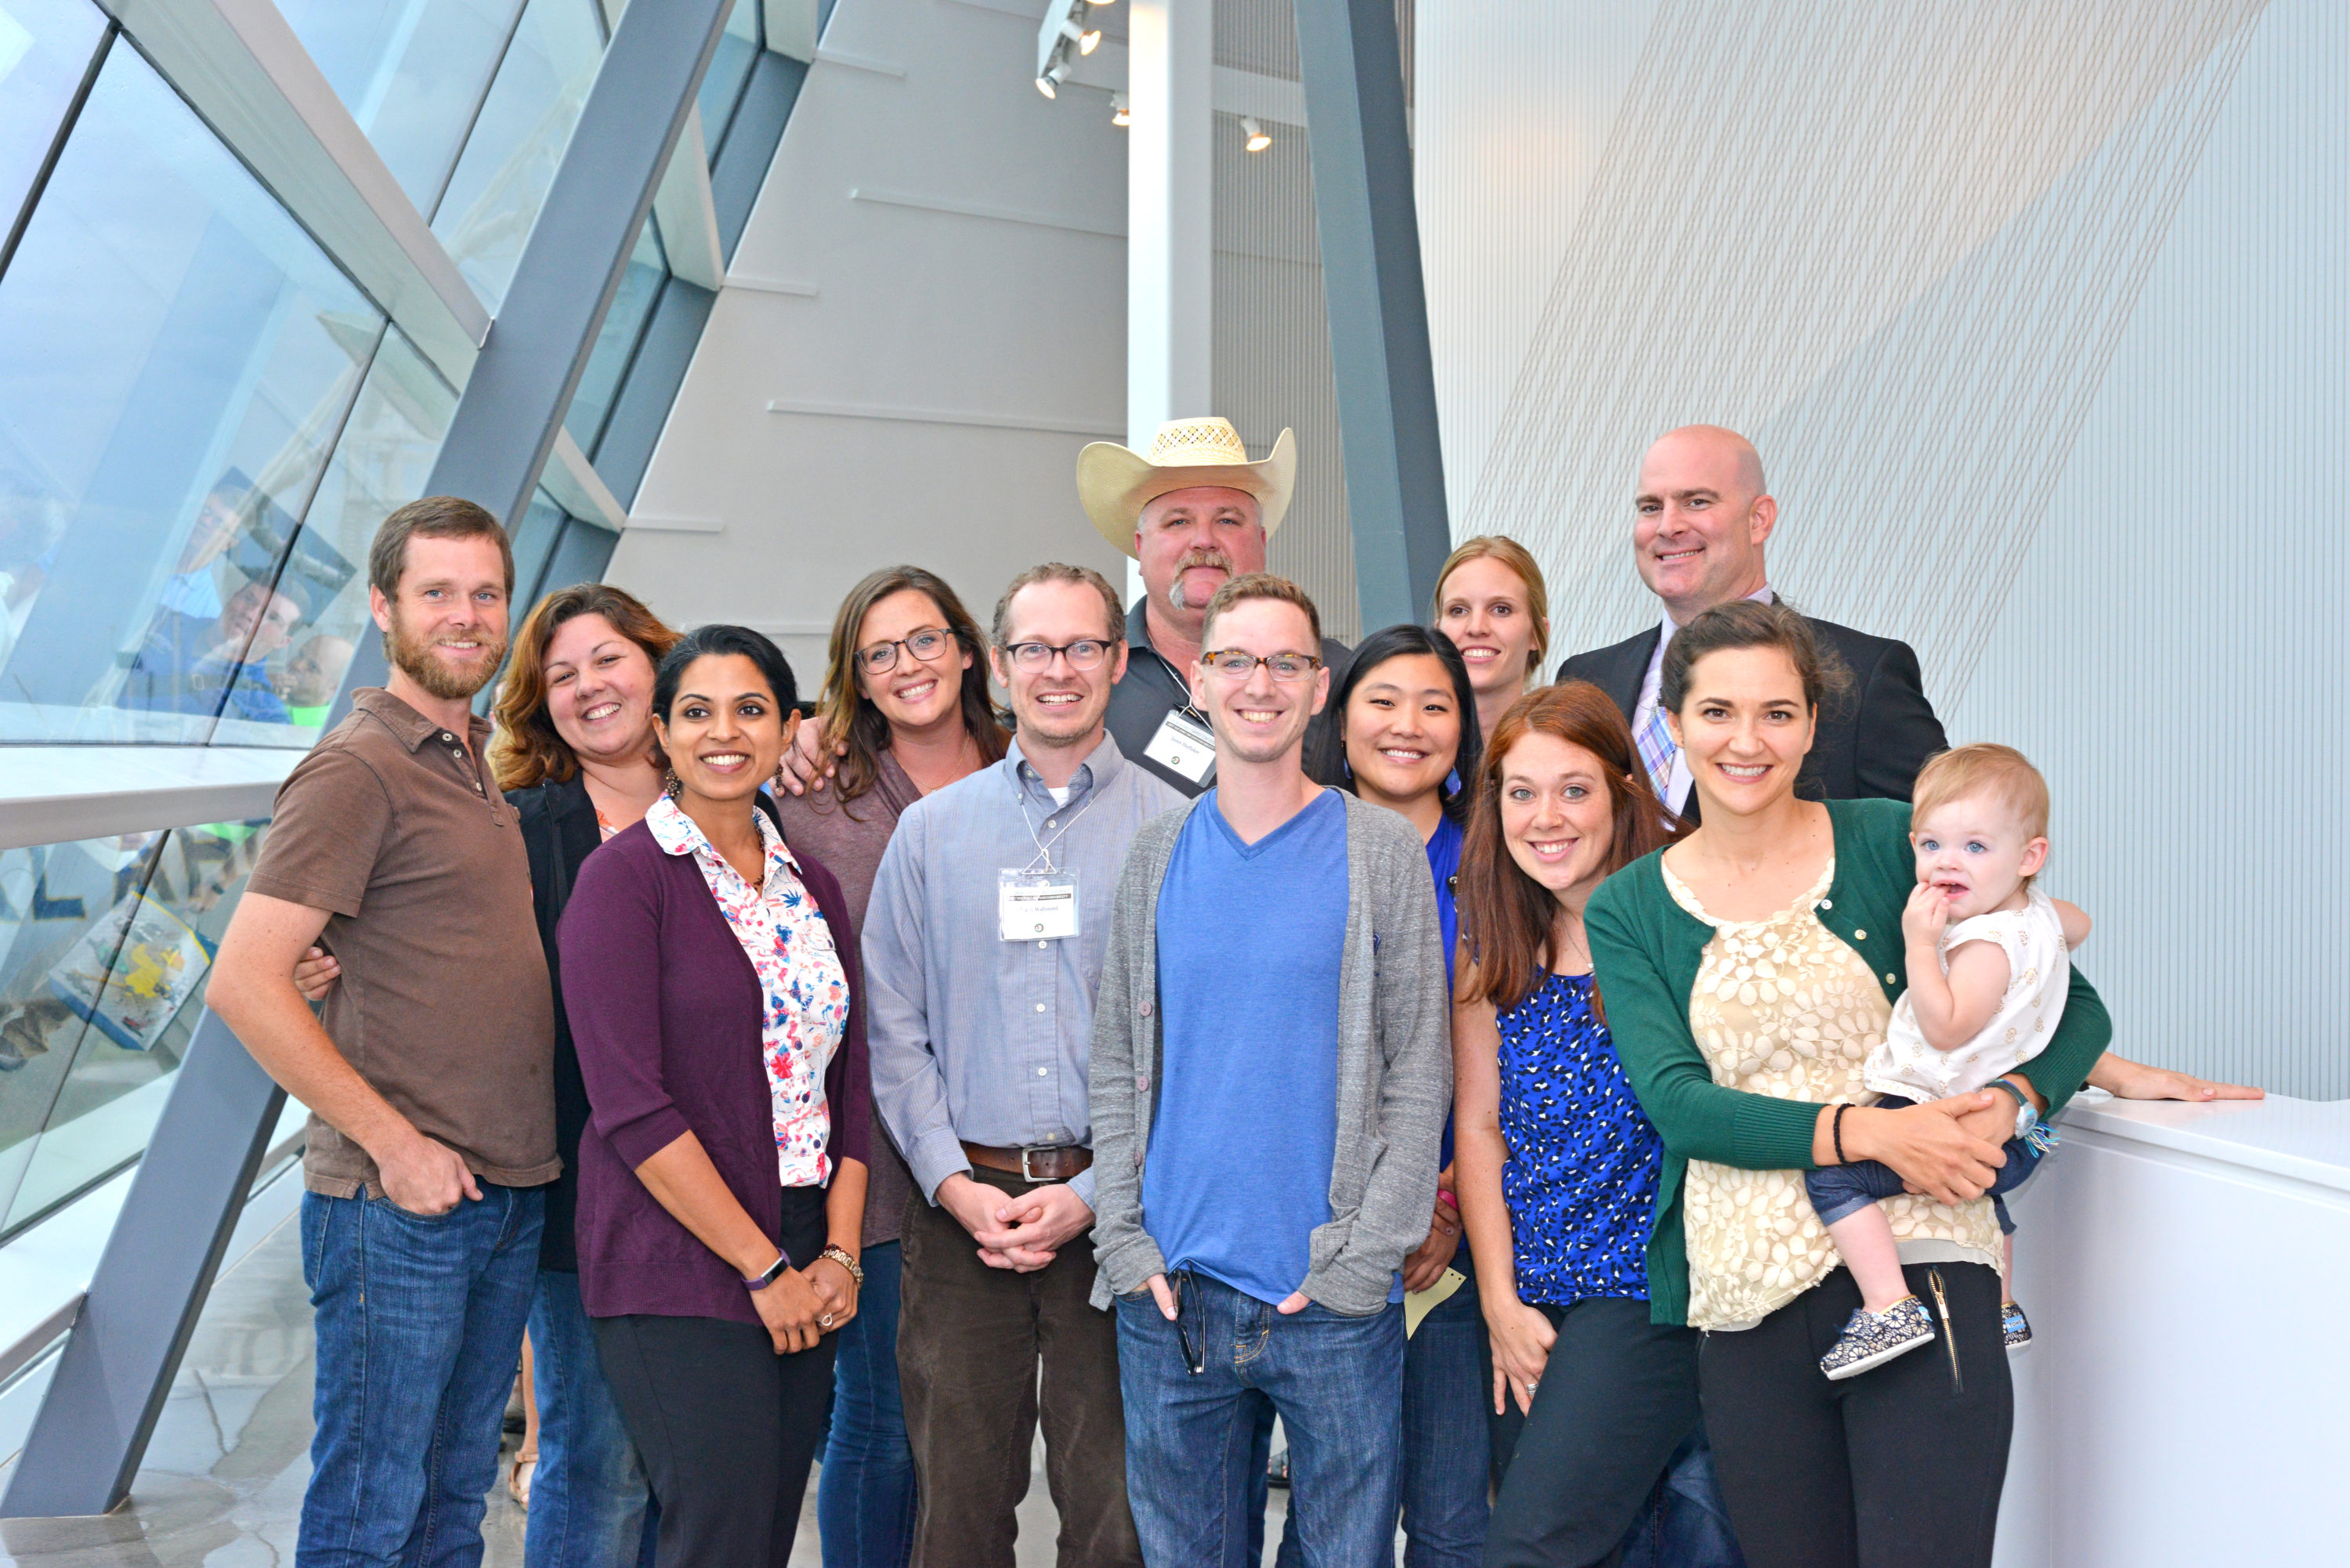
(672, 784)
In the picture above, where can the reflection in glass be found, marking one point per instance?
(105, 948)
(411, 72)
(730, 67)
(617, 342)
(45, 51)
(518, 139)
(382, 463)
(175, 357)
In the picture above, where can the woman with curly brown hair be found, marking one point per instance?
(576, 755)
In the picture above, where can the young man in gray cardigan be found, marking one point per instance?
(1270, 1072)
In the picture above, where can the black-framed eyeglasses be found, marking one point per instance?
(1085, 653)
(1234, 665)
(881, 658)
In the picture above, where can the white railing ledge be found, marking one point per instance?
(2298, 1140)
(54, 794)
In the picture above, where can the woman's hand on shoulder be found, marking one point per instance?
(1928, 1146)
(1522, 1337)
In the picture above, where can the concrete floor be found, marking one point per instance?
(223, 1480)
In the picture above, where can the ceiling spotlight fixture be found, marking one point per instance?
(1119, 114)
(1060, 39)
(1257, 140)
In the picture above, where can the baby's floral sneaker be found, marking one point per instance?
(1872, 1338)
(2015, 1328)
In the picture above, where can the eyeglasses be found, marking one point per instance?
(1085, 653)
(1286, 668)
(882, 656)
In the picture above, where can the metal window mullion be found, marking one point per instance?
(72, 116)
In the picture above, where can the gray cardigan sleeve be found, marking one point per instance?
(1400, 1025)
(1122, 1063)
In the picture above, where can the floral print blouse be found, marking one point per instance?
(803, 987)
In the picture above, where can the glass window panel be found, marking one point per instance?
(411, 72)
(105, 948)
(382, 462)
(580, 556)
(730, 67)
(176, 356)
(45, 50)
(533, 543)
(640, 288)
(517, 141)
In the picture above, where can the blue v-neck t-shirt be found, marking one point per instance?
(1250, 941)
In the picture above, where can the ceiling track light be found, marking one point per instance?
(1254, 135)
(1119, 114)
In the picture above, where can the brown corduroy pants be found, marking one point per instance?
(970, 1339)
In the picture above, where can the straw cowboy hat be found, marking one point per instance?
(1115, 483)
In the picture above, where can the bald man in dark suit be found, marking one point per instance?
(1701, 516)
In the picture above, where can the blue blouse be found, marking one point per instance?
(1581, 1179)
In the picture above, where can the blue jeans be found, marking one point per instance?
(589, 1505)
(1839, 1192)
(1447, 1448)
(1447, 1439)
(419, 1324)
(1685, 1523)
(865, 1495)
(1190, 1436)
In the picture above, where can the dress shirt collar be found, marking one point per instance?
(679, 834)
(1102, 765)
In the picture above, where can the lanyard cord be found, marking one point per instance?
(1044, 845)
(1182, 687)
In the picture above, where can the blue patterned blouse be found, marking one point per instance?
(1581, 1179)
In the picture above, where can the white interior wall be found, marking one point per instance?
(954, 332)
(2046, 351)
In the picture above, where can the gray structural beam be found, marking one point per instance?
(1352, 68)
(118, 1366)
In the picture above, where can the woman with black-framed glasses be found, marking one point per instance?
(905, 710)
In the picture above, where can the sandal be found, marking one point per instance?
(518, 1479)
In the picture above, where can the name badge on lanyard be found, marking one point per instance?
(1036, 905)
(1183, 745)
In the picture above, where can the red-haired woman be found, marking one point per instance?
(1557, 1168)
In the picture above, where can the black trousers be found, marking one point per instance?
(1899, 1465)
(727, 1428)
(1617, 1398)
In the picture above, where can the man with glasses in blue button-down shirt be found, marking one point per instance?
(983, 950)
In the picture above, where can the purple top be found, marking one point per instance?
(665, 1011)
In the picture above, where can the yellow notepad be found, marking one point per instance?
(1418, 1304)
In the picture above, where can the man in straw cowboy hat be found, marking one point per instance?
(1196, 512)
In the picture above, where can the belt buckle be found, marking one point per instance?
(1026, 1174)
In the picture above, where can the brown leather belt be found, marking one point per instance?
(1031, 1164)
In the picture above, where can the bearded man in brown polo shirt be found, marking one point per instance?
(429, 1075)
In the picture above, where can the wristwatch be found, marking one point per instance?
(2026, 1118)
(840, 1254)
(775, 1272)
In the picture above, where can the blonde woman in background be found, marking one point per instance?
(1490, 601)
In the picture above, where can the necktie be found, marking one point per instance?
(1657, 751)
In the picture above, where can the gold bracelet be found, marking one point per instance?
(840, 1254)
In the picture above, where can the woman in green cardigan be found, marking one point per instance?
(1747, 971)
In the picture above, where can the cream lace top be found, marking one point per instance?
(1782, 1007)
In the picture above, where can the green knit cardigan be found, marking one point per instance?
(1645, 952)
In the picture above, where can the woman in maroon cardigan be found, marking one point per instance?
(711, 980)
